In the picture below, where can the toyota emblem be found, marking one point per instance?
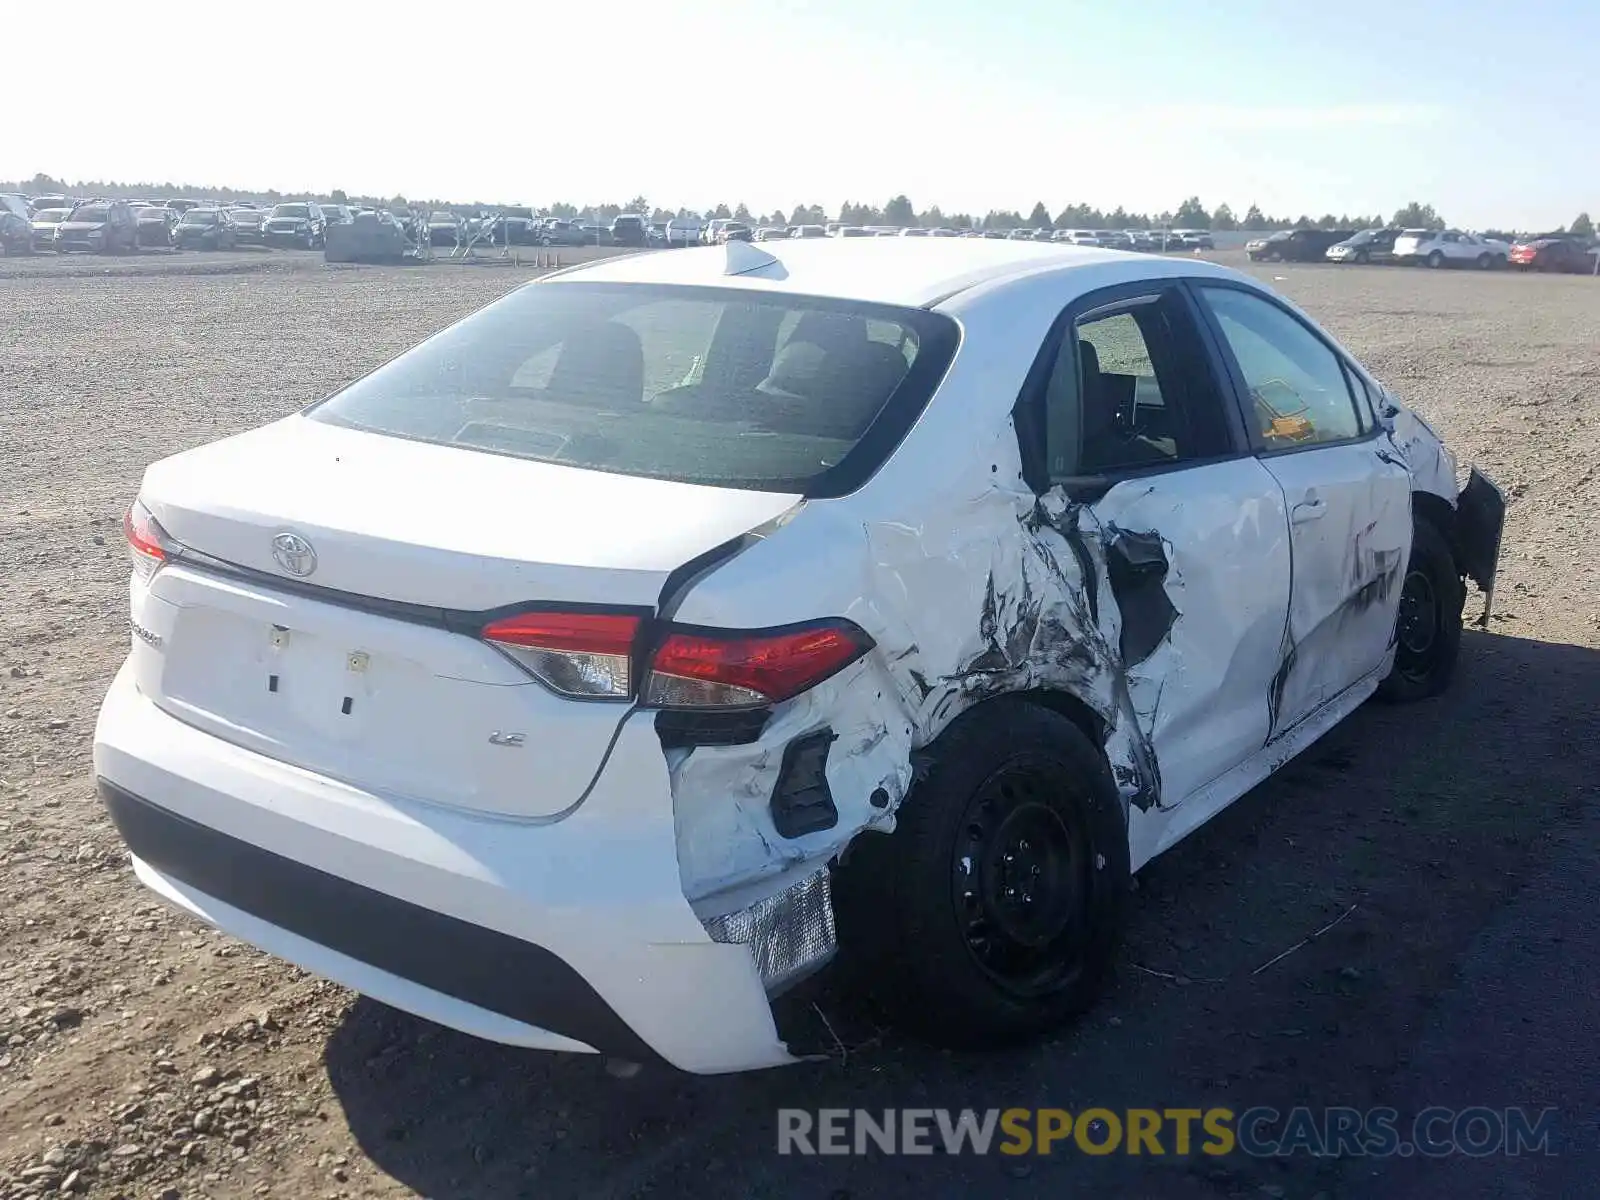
(294, 554)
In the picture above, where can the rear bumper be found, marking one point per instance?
(572, 935)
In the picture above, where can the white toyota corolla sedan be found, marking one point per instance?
(599, 668)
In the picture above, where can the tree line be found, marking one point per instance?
(897, 211)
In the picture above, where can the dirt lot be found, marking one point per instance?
(143, 1056)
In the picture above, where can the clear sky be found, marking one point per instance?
(1491, 112)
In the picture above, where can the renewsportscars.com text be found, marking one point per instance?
(1260, 1132)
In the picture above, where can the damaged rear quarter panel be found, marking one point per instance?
(971, 587)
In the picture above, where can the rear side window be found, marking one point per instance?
(717, 386)
(1129, 393)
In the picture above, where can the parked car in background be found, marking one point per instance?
(1450, 248)
(1554, 252)
(249, 225)
(334, 213)
(630, 229)
(40, 203)
(445, 228)
(852, 231)
(182, 206)
(100, 227)
(155, 226)
(294, 223)
(735, 231)
(1296, 245)
(205, 229)
(560, 232)
(684, 231)
(522, 226)
(808, 231)
(16, 230)
(1195, 239)
(44, 225)
(771, 233)
(1368, 246)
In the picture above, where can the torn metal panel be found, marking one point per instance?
(1480, 520)
(995, 591)
(1137, 564)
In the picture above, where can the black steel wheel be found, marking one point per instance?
(993, 911)
(1427, 631)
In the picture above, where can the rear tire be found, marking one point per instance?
(1485, 262)
(994, 911)
(1428, 624)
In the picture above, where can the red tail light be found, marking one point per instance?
(576, 653)
(148, 543)
(590, 655)
(718, 669)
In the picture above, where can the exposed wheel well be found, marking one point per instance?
(1062, 703)
(1072, 708)
(1437, 511)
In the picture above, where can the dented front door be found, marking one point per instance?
(1346, 488)
(1350, 534)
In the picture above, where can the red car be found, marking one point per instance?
(1553, 254)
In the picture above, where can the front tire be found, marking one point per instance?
(993, 912)
(1436, 259)
(1428, 624)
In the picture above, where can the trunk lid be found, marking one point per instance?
(359, 661)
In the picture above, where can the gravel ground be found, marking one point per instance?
(143, 1056)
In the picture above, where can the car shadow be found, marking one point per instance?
(1405, 829)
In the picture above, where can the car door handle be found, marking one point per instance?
(1307, 510)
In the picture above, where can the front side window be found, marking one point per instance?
(1128, 392)
(1298, 389)
(725, 387)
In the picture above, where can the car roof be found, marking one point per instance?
(906, 271)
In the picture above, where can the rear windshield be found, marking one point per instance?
(91, 212)
(291, 210)
(717, 386)
(199, 216)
